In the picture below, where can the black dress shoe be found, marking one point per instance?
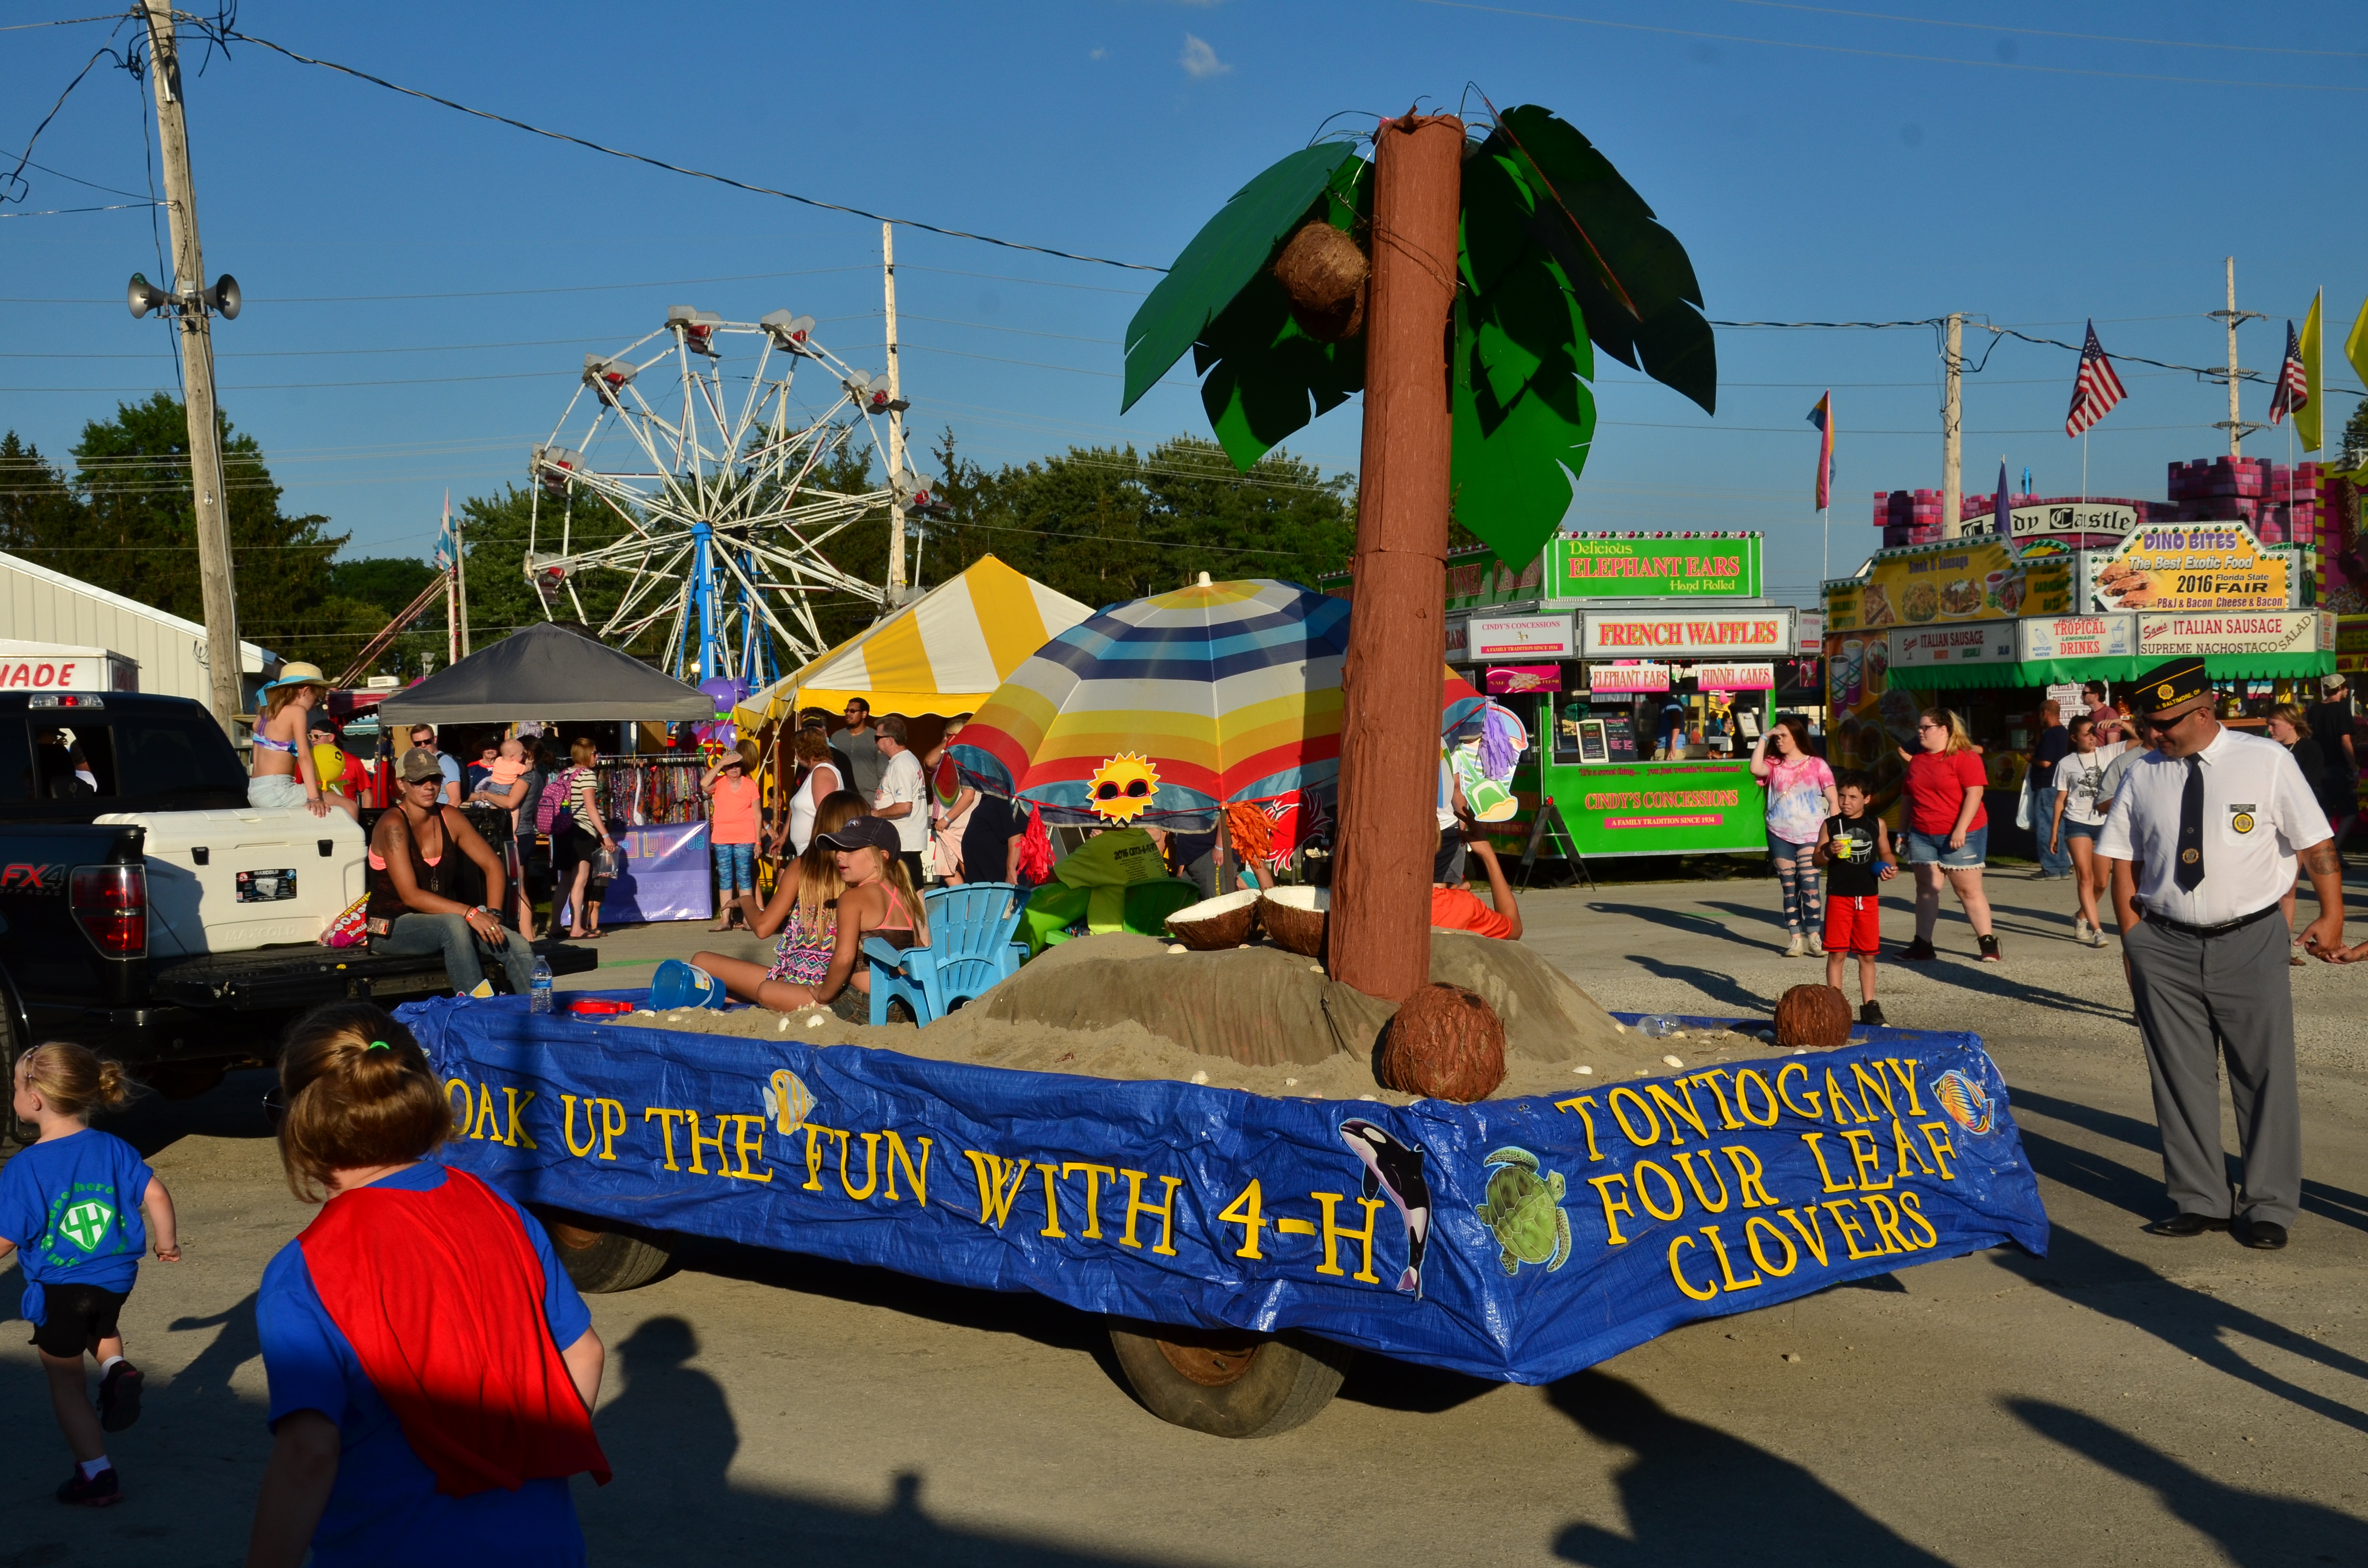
(2261, 1234)
(2192, 1225)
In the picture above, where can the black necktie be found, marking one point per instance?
(2191, 829)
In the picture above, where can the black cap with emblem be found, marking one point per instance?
(2169, 684)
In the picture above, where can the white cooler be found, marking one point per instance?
(230, 881)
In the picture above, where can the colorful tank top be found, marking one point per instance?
(802, 955)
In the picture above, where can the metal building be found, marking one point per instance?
(38, 604)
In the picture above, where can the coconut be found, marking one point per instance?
(1811, 1017)
(1324, 274)
(1446, 1043)
(1226, 921)
(1295, 918)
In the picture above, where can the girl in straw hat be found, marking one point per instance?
(284, 774)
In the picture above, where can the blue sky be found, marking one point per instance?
(1819, 163)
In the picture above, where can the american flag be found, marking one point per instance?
(2095, 389)
(2293, 385)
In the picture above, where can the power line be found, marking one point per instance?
(226, 33)
(2043, 32)
(460, 294)
(60, 211)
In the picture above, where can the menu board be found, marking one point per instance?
(2192, 566)
(1952, 583)
(1619, 736)
(1594, 742)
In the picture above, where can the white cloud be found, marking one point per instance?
(1200, 60)
(1096, 54)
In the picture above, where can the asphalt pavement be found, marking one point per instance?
(2123, 1400)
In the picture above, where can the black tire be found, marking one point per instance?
(604, 1262)
(1229, 1383)
(12, 1045)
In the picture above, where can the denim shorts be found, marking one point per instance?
(2088, 830)
(736, 867)
(1932, 849)
(1785, 850)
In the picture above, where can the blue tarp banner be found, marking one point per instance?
(1518, 1240)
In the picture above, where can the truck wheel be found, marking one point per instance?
(12, 1045)
(1229, 1383)
(601, 1262)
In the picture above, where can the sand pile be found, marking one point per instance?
(1068, 1012)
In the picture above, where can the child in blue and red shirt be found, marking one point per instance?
(72, 1207)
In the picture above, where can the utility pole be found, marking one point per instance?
(1952, 484)
(895, 428)
(224, 663)
(461, 577)
(2234, 424)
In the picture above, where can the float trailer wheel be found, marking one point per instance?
(602, 1262)
(1227, 1382)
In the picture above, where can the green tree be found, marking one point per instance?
(2355, 437)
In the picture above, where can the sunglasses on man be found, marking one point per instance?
(2153, 725)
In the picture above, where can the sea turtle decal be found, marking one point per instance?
(1524, 1209)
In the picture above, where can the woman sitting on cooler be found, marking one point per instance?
(284, 770)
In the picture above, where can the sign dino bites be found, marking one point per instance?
(2193, 566)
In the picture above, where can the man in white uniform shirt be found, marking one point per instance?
(2203, 838)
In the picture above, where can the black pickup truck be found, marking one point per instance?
(148, 912)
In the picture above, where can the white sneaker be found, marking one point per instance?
(2080, 929)
(1816, 946)
(1795, 950)
(2096, 935)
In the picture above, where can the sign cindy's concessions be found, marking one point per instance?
(1529, 637)
(2192, 636)
(2076, 637)
(1611, 634)
(1616, 567)
(1941, 585)
(2192, 566)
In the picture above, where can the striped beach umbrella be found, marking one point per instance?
(1171, 707)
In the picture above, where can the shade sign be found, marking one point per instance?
(2076, 637)
(1619, 679)
(1520, 637)
(2191, 636)
(1615, 636)
(1590, 567)
(2192, 566)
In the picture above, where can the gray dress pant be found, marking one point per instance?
(2199, 998)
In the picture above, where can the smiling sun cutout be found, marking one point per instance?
(1122, 787)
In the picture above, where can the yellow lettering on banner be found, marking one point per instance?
(1686, 1164)
(1614, 1205)
(918, 1179)
(1683, 1239)
(1907, 1076)
(1913, 1207)
(1752, 1229)
(611, 1126)
(1051, 1195)
(485, 1114)
(699, 1142)
(1645, 1194)
(816, 1132)
(1940, 1145)
(1812, 1234)
(1710, 1077)
(994, 1194)
(1334, 1233)
(518, 1138)
(1685, 1113)
(1579, 1104)
(1651, 1119)
(1903, 1151)
(1289, 1227)
(1243, 1210)
(870, 1165)
(1886, 1216)
(665, 1114)
(1748, 1174)
(1095, 1175)
(1165, 1210)
(568, 1125)
(1837, 1102)
(1866, 1158)
(1745, 1079)
(461, 1112)
(1871, 1087)
(1725, 1268)
(1813, 1139)
(1852, 1234)
(1815, 1110)
(745, 1145)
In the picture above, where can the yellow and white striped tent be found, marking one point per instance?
(943, 653)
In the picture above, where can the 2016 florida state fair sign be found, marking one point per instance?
(1518, 1240)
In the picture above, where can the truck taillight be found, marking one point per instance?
(111, 901)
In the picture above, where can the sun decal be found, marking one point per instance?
(1122, 787)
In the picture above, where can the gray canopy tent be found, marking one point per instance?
(550, 672)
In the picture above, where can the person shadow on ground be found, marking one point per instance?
(669, 1428)
(1678, 1463)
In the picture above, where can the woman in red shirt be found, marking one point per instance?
(1948, 830)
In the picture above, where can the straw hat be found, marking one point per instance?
(299, 673)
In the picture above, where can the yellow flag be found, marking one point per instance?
(2306, 420)
(2355, 348)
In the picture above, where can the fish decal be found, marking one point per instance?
(1967, 1103)
(788, 1101)
(1395, 1168)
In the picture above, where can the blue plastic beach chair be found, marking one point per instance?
(969, 949)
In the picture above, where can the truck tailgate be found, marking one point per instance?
(309, 974)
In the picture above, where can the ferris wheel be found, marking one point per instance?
(707, 496)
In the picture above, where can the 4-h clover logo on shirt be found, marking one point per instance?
(86, 1223)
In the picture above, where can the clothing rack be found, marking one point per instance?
(651, 791)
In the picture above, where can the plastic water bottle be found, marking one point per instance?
(538, 995)
(1656, 1027)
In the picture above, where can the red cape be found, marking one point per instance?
(440, 1294)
